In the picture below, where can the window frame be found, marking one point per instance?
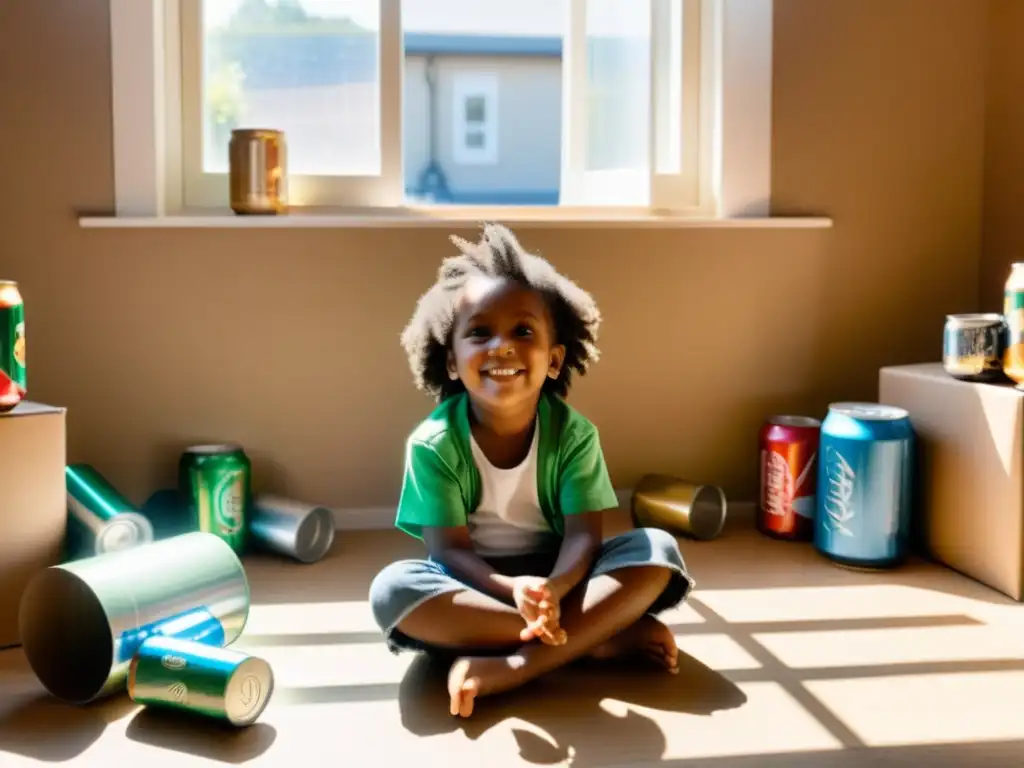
(731, 64)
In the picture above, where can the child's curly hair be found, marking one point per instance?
(428, 336)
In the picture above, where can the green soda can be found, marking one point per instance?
(13, 378)
(216, 481)
(219, 683)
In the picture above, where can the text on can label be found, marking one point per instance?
(778, 484)
(177, 692)
(170, 661)
(839, 492)
(230, 501)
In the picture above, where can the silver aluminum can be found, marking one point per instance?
(974, 346)
(304, 532)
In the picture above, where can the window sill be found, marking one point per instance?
(446, 217)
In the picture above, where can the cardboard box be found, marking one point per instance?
(33, 502)
(970, 471)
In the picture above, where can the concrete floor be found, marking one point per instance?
(789, 662)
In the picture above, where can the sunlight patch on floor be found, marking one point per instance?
(299, 666)
(872, 601)
(927, 709)
(282, 619)
(682, 614)
(718, 652)
(872, 647)
(771, 721)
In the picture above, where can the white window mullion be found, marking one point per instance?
(390, 191)
(743, 111)
(624, 187)
(574, 104)
(137, 34)
(710, 105)
(679, 47)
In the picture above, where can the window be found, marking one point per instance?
(314, 69)
(652, 104)
(475, 119)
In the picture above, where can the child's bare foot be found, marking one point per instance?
(646, 637)
(472, 676)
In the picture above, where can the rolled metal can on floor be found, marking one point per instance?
(258, 171)
(789, 451)
(100, 519)
(679, 507)
(304, 532)
(13, 373)
(973, 347)
(216, 482)
(865, 485)
(216, 682)
(81, 622)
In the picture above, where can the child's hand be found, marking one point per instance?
(540, 610)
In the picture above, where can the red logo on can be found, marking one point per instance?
(776, 483)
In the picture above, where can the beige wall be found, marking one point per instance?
(1004, 150)
(288, 341)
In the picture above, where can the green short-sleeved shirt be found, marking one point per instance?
(442, 485)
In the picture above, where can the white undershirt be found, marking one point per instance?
(508, 520)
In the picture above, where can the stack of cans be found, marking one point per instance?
(159, 594)
(156, 619)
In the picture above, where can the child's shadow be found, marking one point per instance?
(567, 707)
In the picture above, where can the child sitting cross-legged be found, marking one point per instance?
(505, 484)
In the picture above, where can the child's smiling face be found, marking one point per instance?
(503, 343)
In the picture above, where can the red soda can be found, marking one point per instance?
(789, 453)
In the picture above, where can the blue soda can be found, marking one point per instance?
(198, 625)
(220, 683)
(865, 476)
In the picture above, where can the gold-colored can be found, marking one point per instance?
(258, 171)
(679, 507)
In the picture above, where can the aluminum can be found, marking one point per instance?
(789, 476)
(258, 171)
(678, 506)
(865, 485)
(216, 481)
(220, 683)
(974, 346)
(198, 625)
(301, 531)
(100, 519)
(1013, 310)
(13, 377)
